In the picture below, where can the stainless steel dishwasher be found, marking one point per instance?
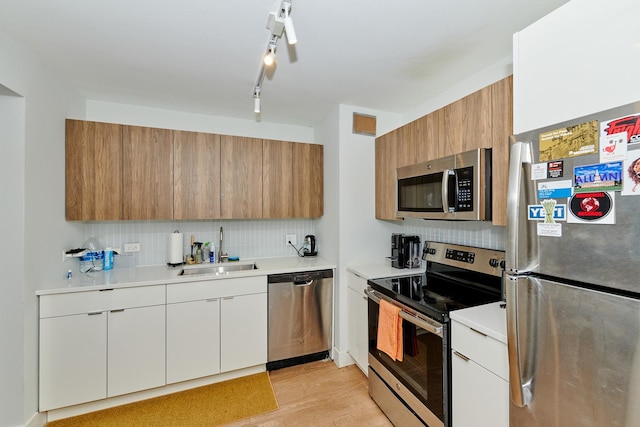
(300, 317)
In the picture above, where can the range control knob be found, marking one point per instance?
(431, 251)
(494, 262)
(502, 264)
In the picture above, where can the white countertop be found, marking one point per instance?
(157, 275)
(380, 269)
(490, 319)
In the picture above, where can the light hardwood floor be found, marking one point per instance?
(320, 394)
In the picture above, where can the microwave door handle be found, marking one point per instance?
(445, 190)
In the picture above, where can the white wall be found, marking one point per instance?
(169, 119)
(12, 111)
(47, 102)
(580, 59)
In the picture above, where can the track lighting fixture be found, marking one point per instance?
(278, 22)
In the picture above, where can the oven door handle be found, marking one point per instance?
(426, 324)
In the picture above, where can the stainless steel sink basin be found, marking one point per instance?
(217, 270)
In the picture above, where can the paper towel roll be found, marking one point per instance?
(175, 248)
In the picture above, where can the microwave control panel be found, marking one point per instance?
(464, 189)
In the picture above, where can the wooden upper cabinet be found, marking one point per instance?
(93, 157)
(428, 137)
(196, 175)
(502, 129)
(241, 177)
(466, 124)
(277, 179)
(147, 173)
(308, 180)
(386, 153)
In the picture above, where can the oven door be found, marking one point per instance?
(421, 378)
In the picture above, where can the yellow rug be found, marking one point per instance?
(211, 405)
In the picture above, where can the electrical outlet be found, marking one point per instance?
(290, 238)
(132, 247)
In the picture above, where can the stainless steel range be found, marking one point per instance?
(417, 390)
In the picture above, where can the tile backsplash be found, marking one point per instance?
(471, 233)
(242, 238)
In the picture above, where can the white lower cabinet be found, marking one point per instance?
(243, 331)
(73, 360)
(358, 343)
(100, 344)
(136, 349)
(480, 389)
(193, 339)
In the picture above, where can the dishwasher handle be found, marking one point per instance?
(301, 278)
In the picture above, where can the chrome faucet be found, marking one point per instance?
(222, 256)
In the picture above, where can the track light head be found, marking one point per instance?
(270, 57)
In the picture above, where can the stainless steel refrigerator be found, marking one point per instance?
(572, 279)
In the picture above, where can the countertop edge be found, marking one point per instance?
(163, 275)
(485, 318)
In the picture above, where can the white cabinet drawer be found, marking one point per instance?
(96, 301)
(484, 350)
(357, 283)
(217, 288)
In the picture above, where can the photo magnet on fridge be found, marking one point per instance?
(599, 177)
(571, 141)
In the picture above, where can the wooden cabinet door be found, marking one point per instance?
(93, 157)
(428, 137)
(147, 173)
(241, 177)
(308, 180)
(277, 179)
(196, 175)
(386, 155)
(502, 129)
(466, 124)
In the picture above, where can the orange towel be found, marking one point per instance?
(390, 330)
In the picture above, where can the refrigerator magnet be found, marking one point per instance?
(541, 212)
(597, 207)
(570, 141)
(549, 230)
(599, 177)
(631, 174)
(614, 147)
(629, 124)
(554, 189)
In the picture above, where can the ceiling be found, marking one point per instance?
(203, 56)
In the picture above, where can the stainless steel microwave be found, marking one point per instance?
(455, 187)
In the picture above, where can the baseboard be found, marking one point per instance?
(37, 420)
(71, 411)
(342, 359)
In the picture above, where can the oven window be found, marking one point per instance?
(421, 370)
(420, 194)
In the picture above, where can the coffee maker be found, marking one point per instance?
(405, 251)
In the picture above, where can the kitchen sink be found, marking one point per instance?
(217, 270)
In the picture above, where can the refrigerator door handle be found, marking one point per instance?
(521, 242)
(520, 388)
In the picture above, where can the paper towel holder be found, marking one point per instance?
(175, 250)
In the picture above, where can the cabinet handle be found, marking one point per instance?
(461, 356)
(103, 290)
(212, 299)
(227, 298)
(117, 310)
(94, 313)
(478, 332)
